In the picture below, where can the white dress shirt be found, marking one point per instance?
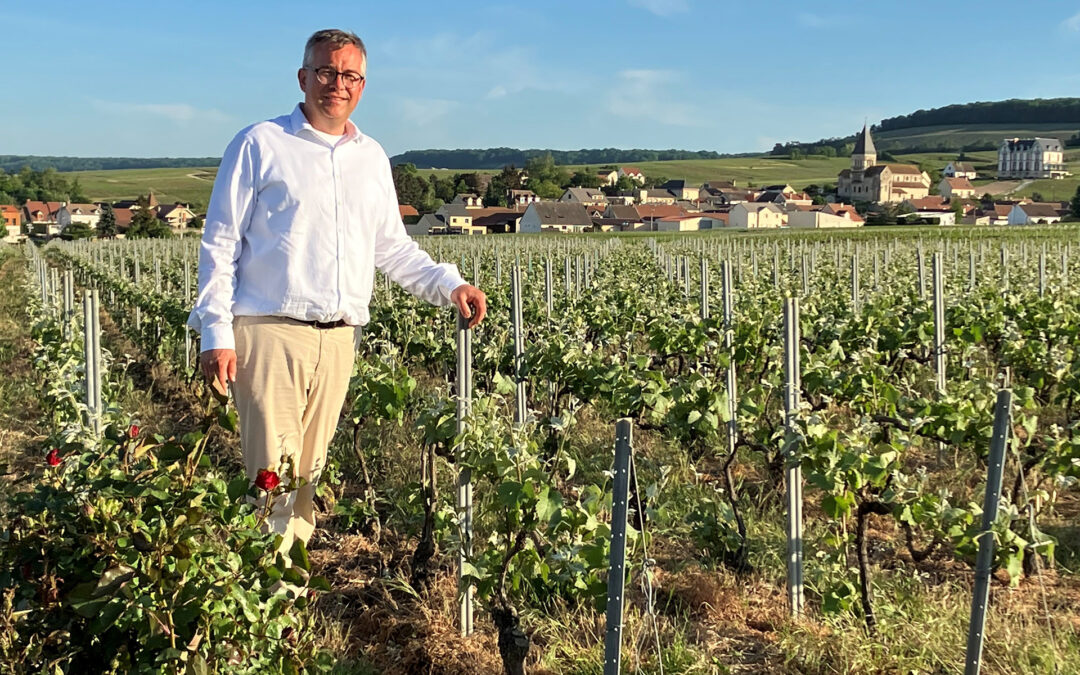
(296, 227)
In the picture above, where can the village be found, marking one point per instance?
(866, 193)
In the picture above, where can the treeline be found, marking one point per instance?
(47, 186)
(1012, 111)
(495, 158)
(12, 163)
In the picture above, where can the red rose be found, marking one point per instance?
(53, 458)
(133, 431)
(267, 480)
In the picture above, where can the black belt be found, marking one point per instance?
(325, 324)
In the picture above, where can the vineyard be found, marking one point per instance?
(806, 438)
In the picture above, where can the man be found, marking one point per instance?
(303, 210)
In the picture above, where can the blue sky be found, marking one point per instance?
(180, 78)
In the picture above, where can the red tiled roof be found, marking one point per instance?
(959, 184)
(407, 210)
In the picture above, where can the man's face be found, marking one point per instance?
(333, 102)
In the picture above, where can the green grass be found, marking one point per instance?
(190, 185)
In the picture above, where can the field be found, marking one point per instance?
(140, 544)
(186, 185)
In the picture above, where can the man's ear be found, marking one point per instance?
(301, 77)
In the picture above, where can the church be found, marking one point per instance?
(868, 181)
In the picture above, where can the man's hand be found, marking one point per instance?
(219, 368)
(471, 302)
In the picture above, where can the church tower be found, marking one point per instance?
(864, 155)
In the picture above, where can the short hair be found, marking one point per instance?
(337, 38)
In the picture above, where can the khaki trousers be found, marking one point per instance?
(291, 381)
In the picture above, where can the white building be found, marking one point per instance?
(755, 215)
(1031, 158)
(1034, 214)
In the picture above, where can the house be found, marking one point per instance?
(655, 196)
(756, 215)
(1035, 213)
(429, 223)
(822, 217)
(633, 173)
(521, 198)
(714, 220)
(932, 208)
(622, 218)
(999, 215)
(958, 188)
(959, 169)
(869, 181)
(608, 177)
(717, 185)
(470, 200)
(687, 223)
(88, 214)
(681, 189)
(12, 218)
(42, 218)
(1031, 158)
(648, 214)
(123, 218)
(785, 199)
(408, 213)
(555, 217)
(496, 220)
(176, 216)
(457, 217)
(585, 196)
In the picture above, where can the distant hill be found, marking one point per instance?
(13, 163)
(967, 126)
(496, 158)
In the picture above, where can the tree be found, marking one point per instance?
(196, 223)
(145, 224)
(585, 179)
(76, 230)
(958, 210)
(106, 226)
(1074, 206)
(1037, 197)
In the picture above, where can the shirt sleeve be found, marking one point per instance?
(227, 218)
(401, 258)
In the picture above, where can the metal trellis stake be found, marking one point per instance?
(939, 321)
(519, 344)
(985, 559)
(792, 385)
(617, 568)
(465, 488)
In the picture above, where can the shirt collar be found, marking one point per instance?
(298, 121)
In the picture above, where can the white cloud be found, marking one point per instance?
(646, 94)
(424, 111)
(1072, 24)
(181, 113)
(662, 7)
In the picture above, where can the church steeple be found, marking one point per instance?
(864, 155)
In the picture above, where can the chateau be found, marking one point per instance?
(868, 181)
(1031, 158)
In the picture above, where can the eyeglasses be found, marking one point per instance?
(326, 75)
